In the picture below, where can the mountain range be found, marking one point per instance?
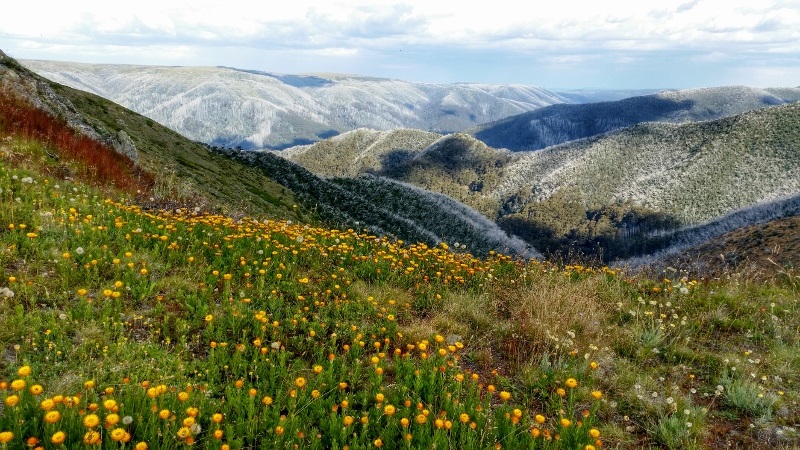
(228, 107)
(188, 174)
(556, 124)
(626, 178)
(651, 177)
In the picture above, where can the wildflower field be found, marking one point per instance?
(122, 327)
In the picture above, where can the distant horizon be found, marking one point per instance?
(574, 44)
(358, 75)
(555, 89)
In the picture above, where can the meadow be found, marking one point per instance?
(126, 327)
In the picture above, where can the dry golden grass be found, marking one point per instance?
(515, 324)
(550, 315)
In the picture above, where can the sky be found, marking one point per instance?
(564, 44)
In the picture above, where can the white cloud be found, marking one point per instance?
(152, 31)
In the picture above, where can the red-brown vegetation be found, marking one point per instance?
(91, 161)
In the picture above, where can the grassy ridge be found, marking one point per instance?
(185, 169)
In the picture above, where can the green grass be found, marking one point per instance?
(265, 323)
(185, 170)
(262, 322)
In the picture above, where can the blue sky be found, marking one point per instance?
(556, 44)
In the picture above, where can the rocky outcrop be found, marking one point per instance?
(21, 82)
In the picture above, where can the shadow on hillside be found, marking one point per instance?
(394, 164)
(596, 239)
(238, 144)
(452, 158)
(557, 124)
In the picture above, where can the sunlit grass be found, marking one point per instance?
(129, 328)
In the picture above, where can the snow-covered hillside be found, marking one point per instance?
(231, 107)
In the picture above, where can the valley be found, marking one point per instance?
(590, 180)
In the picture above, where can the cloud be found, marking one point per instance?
(368, 21)
(420, 38)
(686, 6)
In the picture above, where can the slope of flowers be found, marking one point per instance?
(125, 328)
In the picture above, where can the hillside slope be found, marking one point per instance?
(229, 107)
(263, 184)
(695, 171)
(760, 241)
(557, 124)
(387, 207)
(606, 189)
(184, 170)
(360, 151)
(666, 167)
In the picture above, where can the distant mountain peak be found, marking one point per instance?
(255, 109)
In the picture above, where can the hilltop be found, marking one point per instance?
(354, 153)
(228, 107)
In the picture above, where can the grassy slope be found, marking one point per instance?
(184, 166)
(258, 320)
(186, 172)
